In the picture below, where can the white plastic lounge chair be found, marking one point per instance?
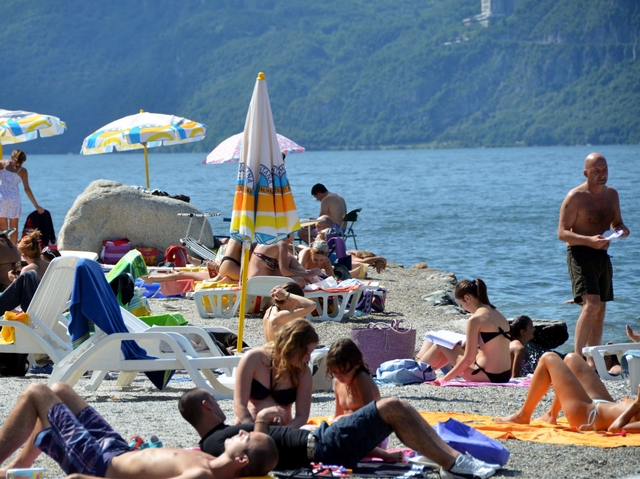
(621, 350)
(224, 302)
(105, 354)
(46, 332)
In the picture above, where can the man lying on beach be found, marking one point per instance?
(344, 442)
(580, 393)
(61, 424)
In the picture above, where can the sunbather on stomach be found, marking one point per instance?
(276, 260)
(277, 376)
(582, 396)
(485, 356)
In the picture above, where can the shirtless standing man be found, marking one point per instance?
(60, 423)
(586, 213)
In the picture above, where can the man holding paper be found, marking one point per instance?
(586, 215)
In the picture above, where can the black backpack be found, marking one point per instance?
(13, 364)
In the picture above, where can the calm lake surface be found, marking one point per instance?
(488, 213)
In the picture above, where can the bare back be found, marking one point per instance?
(334, 206)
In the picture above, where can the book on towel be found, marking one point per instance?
(446, 339)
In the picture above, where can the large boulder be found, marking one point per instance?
(110, 210)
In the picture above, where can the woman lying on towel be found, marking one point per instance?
(227, 272)
(485, 356)
(277, 376)
(582, 396)
(288, 303)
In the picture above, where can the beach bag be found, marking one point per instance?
(114, 250)
(151, 256)
(365, 301)
(378, 300)
(177, 255)
(405, 371)
(341, 272)
(380, 342)
(465, 439)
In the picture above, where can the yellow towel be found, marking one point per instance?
(537, 431)
(8, 333)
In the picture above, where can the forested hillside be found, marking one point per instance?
(341, 74)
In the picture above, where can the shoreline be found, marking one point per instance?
(143, 410)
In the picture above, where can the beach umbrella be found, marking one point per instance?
(263, 207)
(229, 150)
(17, 126)
(143, 130)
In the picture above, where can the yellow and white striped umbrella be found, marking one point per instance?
(263, 207)
(143, 130)
(17, 126)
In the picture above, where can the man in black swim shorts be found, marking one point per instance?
(587, 212)
(344, 442)
(82, 442)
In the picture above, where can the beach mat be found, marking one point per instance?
(537, 431)
(513, 383)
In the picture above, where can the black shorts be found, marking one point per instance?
(351, 438)
(590, 272)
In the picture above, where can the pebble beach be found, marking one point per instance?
(143, 410)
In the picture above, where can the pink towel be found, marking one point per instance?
(513, 383)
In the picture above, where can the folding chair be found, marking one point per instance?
(350, 218)
(196, 246)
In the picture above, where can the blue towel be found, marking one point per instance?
(92, 300)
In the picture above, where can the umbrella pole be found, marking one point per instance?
(146, 163)
(246, 253)
(0, 151)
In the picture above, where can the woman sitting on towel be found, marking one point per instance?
(289, 303)
(521, 333)
(277, 260)
(277, 376)
(485, 356)
(582, 396)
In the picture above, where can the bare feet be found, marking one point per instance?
(515, 418)
(548, 418)
(633, 335)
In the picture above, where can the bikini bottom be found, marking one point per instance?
(502, 377)
(232, 259)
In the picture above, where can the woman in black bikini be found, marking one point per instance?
(485, 356)
(277, 376)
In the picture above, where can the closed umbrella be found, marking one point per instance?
(263, 207)
(229, 150)
(143, 130)
(17, 126)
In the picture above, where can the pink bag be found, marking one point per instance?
(381, 342)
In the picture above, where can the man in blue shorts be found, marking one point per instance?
(62, 425)
(344, 442)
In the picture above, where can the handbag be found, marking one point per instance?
(465, 439)
(380, 342)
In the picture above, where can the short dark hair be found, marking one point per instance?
(519, 324)
(262, 460)
(345, 355)
(318, 188)
(190, 404)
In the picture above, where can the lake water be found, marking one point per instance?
(488, 213)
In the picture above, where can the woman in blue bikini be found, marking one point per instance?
(582, 396)
(485, 356)
(277, 376)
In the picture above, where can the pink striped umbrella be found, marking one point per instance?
(229, 150)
